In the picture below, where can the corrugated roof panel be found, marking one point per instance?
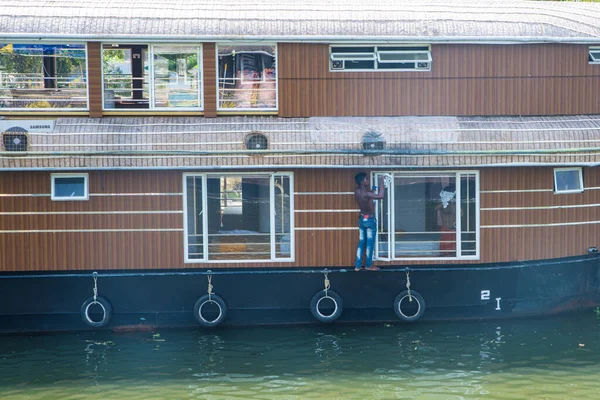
(308, 20)
(185, 142)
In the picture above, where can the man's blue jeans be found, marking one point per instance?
(368, 229)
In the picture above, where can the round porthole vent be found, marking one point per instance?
(373, 140)
(256, 141)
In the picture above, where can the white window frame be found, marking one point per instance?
(87, 80)
(580, 173)
(591, 55)
(376, 57)
(389, 193)
(205, 259)
(86, 193)
(248, 110)
(151, 96)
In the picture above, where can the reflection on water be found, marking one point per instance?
(525, 359)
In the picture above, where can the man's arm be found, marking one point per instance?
(380, 190)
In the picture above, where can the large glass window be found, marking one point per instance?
(233, 217)
(43, 76)
(247, 77)
(152, 76)
(429, 215)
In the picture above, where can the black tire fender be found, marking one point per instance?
(332, 296)
(405, 297)
(208, 299)
(104, 305)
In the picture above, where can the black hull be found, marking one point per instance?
(150, 299)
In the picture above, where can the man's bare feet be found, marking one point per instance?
(358, 269)
(373, 268)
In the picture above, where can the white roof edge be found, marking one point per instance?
(280, 167)
(42, 37)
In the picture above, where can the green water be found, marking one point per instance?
(554, 358)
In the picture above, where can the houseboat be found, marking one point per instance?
(193, 163)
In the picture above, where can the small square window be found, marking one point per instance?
(568, 180)
(69, 187)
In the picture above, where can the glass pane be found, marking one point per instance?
(353, 56)
(239, 218)
(403, 57)
(125, 69)
(359, 64)
(43, 76)
(568, 180)
(176, 77)
(247, 77)
(69, 187)
(194, 217)
(468, 217)
(425, 215)
(283, 243)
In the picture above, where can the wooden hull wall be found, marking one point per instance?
(134, 220)
(536, 79)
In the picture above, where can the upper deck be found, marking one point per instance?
(337, 58)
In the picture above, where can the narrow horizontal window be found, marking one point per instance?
(43, 76)
(389, 58)
(238, 217)
(568, 180)
(69, 187)
(247, 77)
(159, 77)
(594, 55)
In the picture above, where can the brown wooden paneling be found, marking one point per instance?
(122, 248)
(94, 50)
(536, 79)
(210, 79)
(525, 243)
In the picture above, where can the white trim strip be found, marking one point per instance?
(539, 208)
(92, 230)
(345, 228)
(134, 194)
(327, 211)
(319, 193)
(91, 194)
(90, 212)
(531, 190)
(24, 194)
(517, 191)
(543, 225)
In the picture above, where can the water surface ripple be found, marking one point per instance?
(553, 358)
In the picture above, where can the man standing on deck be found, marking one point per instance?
(367, 223)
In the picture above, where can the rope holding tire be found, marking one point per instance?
(323, 297)
(94, 303)
(210, 298)
(409, 297)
